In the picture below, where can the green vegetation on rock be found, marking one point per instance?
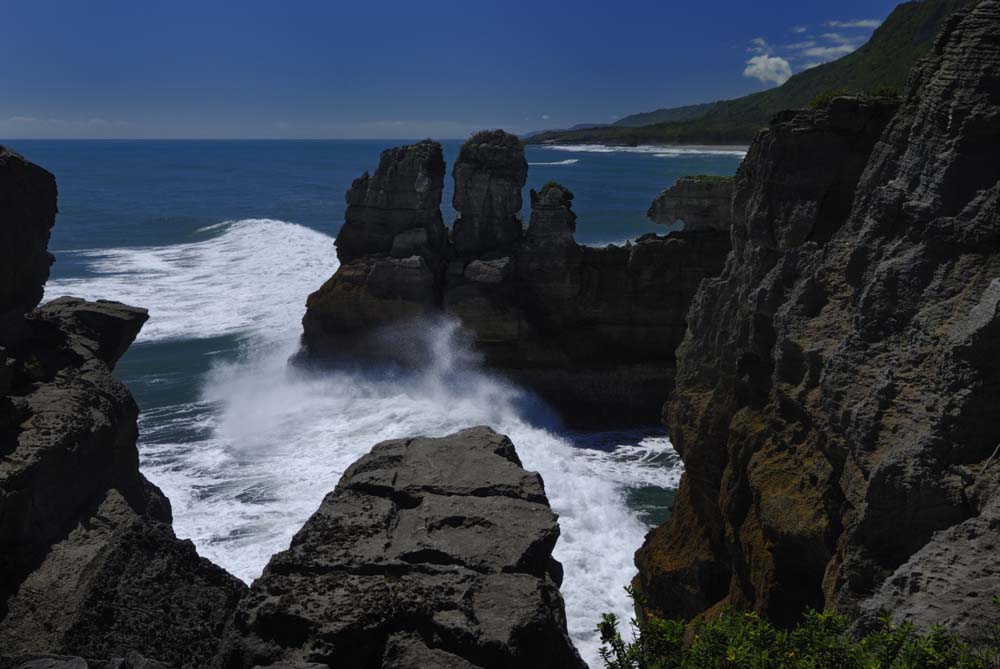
(880, 67)
(821, 641)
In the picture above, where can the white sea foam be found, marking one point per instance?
(266, 441)
(658, 151)
(569, 161)
(251, 275)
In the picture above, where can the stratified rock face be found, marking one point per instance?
(368, 294)
(27, 212)
(390, 249)
(399, 207)
(835, 392)
(702, 203)
(489, 174)
(430, 552)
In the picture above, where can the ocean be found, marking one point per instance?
(223, 240)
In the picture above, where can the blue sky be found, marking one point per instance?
(388, 69)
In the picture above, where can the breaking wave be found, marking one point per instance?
(252, 455)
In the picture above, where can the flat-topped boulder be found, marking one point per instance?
(429, 552)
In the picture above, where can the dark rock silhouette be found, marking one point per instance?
(28, 210)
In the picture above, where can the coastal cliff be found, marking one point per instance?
(832, 392)
(593, 330)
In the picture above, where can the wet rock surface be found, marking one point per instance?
(832, 393)
(430, 552)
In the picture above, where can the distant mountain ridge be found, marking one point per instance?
(881, 65)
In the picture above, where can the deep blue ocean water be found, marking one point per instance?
(223, 240)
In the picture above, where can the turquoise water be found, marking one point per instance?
(223, 241)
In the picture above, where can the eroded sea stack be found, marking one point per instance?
(591, 329)
(834, 394)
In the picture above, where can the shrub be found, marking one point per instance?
(736, 640)
(823, 99)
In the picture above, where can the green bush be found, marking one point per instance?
(821, 641)
(823, 99)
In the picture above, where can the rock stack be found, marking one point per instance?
(390, 249)
(834, 394)
(592, 330)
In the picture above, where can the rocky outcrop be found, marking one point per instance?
(390, 249)
(28, 211)
(701, 203)
(833, 394)
(592, 330)
(430, 552)
(397, 210)
(89, 564)
(489, 174)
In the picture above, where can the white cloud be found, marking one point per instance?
(828, 52)
(799, 30)
(545, 117)
(768, 69)
(759, 45)
(801, 45)
(869, 24)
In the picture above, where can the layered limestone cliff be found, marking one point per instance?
(592, 330)
(834, 392)
(429, 553)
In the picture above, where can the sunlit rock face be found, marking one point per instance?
(833, 393)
